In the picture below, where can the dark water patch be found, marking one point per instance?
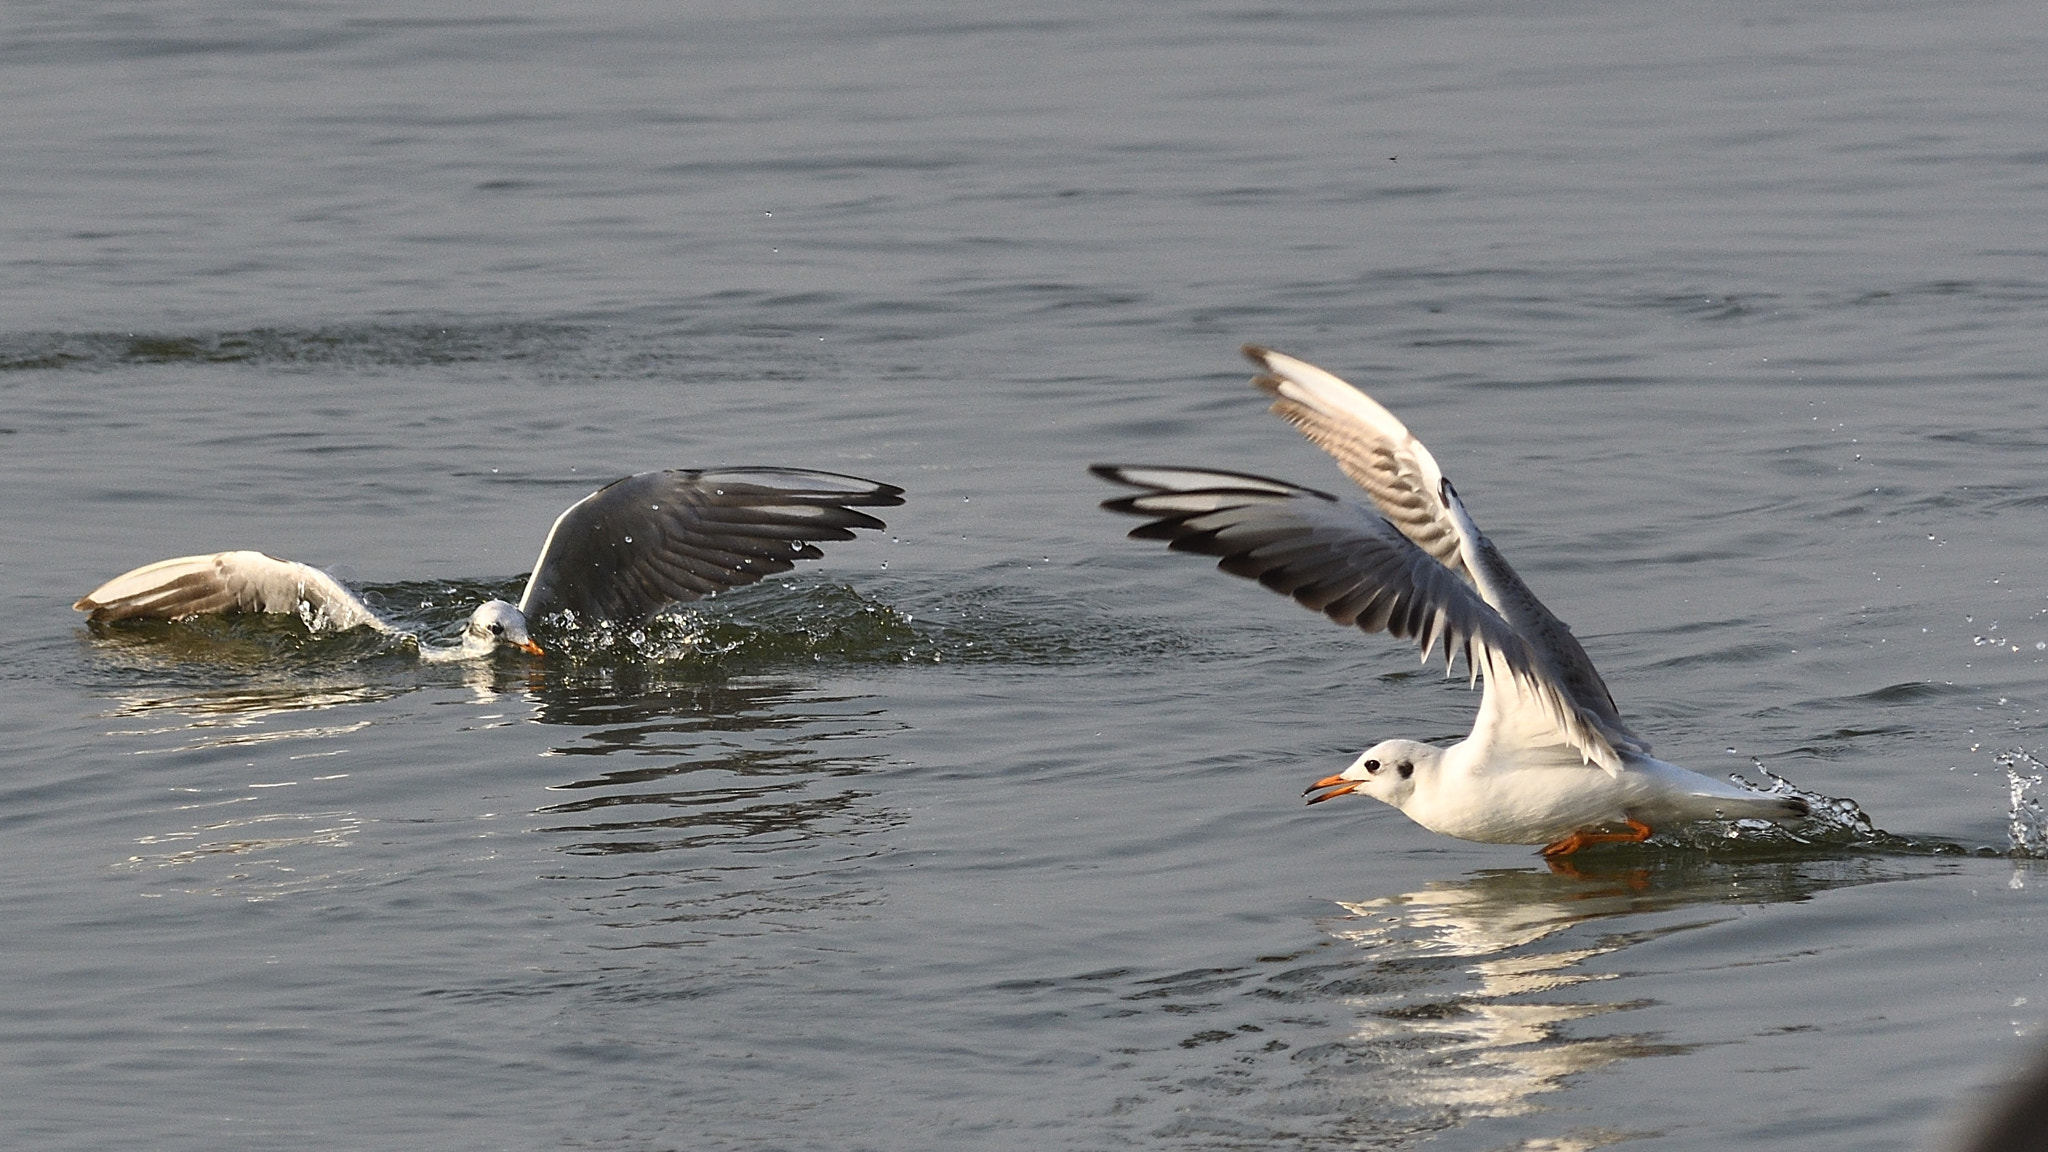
(1049, 297)
(1726, 654)
(793, 869)
(996, 28)
(1857, 707)
(690, 340)
(1714, 308)
(750, 734)
(823, 165)
(361, 346)
(1844, 742)
(706, 820)
(1395, 192)
(622, 712)
(503, 989)
(143, 42)
(1974, 500)
(1913, 692)
(2025, 438)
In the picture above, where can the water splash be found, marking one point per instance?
(2026, 822)
(794, 623)
(821, 622)
(1831, 822)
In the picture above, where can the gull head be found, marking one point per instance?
(496, 624)
(1386, 771)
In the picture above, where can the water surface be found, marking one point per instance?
(985, 831)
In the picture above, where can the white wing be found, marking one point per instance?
(1370, 445)
(225, 582)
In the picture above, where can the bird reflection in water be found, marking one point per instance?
(716, 806)
(1469, 1015)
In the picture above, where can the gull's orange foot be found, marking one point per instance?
(1636, 834)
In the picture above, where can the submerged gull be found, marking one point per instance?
(618, 555)
(1549, 760)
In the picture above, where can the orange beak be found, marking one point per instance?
(531, 649)
(1338, 786)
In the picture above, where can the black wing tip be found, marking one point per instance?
(879, 495)
(863, 520)
(1268, 379)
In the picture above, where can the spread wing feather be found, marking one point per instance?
(1409, 489)
(1372, 447)
(657, 538)
(1354, 567)
(226, 582)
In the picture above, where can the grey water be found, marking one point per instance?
(986, 832)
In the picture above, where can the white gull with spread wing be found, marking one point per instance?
(1549, 760)
(618, 555)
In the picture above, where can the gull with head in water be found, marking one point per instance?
(619, 555)
(1549, 760)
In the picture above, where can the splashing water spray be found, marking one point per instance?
(2027, 823)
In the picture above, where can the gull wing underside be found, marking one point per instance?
(219, 583)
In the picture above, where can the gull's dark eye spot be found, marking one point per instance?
(1372, 765)
(1405, 769)
(497, 629)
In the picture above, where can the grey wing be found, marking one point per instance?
(226, 582)
(1352, 566)
(657, 538)
(1552, 638)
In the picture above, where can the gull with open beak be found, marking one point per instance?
(1549, 760)
(619, 555)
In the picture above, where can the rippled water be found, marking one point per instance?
(986, 831)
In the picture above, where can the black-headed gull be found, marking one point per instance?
(1549, 760)
(620, 554)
